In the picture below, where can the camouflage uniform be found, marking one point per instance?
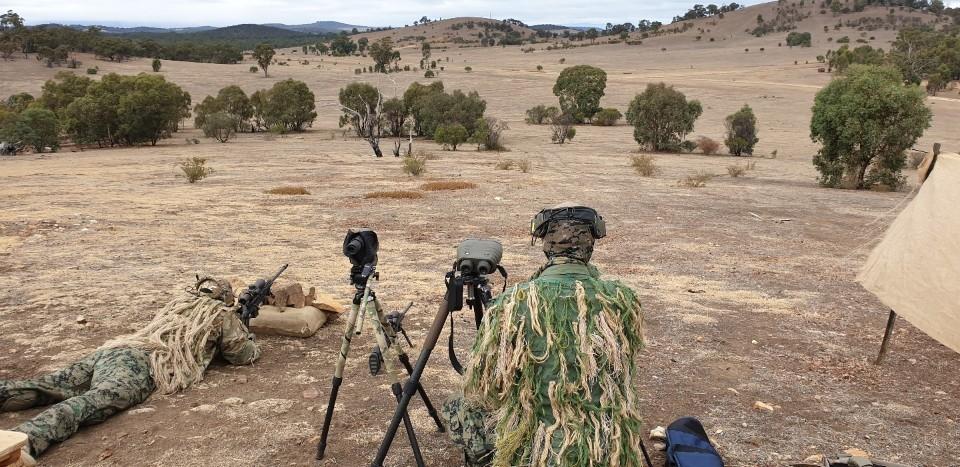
(106, 382)
(532, 396)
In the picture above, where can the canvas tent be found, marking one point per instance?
(915, 270)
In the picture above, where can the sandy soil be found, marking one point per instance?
(740, 309)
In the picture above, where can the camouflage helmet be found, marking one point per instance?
(568, 236)
(218, 289)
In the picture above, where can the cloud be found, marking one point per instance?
(367, 13)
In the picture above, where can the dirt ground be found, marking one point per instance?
(747, 283)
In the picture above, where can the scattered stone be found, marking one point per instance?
(142, 411)
(763, 406)
(696, 291)
(275, 406)
(659, 433)
(105, 454)
(232, 401)
(816, 459)
(912, 361)
(81, 320)
(754, 342)
(940, 393)
(311, 393)
(733, 391)
(660, 446)
(204, 408)
(857, 452)
(242, 379)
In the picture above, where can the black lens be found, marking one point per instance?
(483, 268)
(354, 247)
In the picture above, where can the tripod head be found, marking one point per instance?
(360, 246)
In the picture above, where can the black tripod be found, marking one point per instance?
(385, 329)
(478, 295)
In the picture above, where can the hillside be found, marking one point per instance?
(875, 24)
(463, 30)
(318, 27)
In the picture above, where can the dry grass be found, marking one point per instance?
(644, 165)
(505, 164)
(447, 185)
(398, 194)
(698, 179)
(736, 170)
(288, 190)
(524, 165)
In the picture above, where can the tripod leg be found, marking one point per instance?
(408, 426)
(411, 386)
(405, 360)
(376, 312)
(338, 378)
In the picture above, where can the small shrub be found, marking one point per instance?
(644, 165)
(92, 71)
(707, 145)
(524, 165)
(447, 186)
(736, 170)
(697, 180)
(156, 64)
(607, 117)
(429, 74)
(254, 69)
(400, 194)
(220, 126)
(414, 165)
(541, 114)
(468, 69)
(288, 190)
(195, 169)
(505, 164)
(688, 146)
(773, 154)
(450, 135)
(539, 67)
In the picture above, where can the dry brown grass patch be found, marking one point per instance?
(447, 185)
(505, 164)
(288, 190)
(736, 170)
(398, 194)
(644, 165)
(698, 179)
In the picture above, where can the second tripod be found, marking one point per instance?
(361, 247)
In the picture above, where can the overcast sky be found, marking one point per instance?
(365, 12)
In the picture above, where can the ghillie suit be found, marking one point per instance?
(170, 353)
(551, 374)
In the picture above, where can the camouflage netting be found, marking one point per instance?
(176, 339)
(553, 362)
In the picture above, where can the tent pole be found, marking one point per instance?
(886, 337)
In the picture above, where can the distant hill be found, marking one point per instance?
(319, 27)
(556, 28)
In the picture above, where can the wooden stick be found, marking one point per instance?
(884, 346)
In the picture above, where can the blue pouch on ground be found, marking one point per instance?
(689, 446)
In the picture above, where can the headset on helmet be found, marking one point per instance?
(538, 226)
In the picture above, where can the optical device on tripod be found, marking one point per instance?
(361, 247)
(476, 259)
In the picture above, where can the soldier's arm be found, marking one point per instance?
(236, 343)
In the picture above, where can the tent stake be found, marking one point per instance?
(886, 337)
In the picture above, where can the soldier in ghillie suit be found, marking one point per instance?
(550, 377)
(169, 354)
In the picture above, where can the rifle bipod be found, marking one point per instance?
(365, 303)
